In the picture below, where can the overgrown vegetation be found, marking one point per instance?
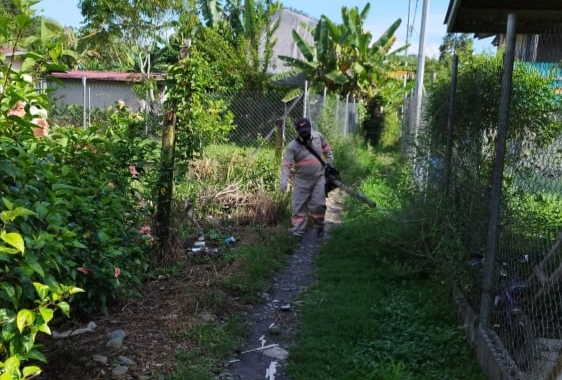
(77, 206)
(381, 308)
(534, 129)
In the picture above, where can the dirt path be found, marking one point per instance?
(273, 325)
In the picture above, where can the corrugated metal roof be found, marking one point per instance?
(490, 17)
(9, 52)
(113, 76)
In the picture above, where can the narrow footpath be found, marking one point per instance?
(273, 323)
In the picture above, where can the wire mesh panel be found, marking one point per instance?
(332, 114)
(525, 311)
(258, 117)
(529, 248)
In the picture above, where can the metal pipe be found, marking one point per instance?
(497, 177)
(84, 104)
(420, 69)
(450, 122)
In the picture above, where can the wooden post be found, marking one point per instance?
(165, 185)
(279, 139)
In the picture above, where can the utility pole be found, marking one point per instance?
(420, 70)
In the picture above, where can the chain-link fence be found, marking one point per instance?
(489, 150)
(265, 118)
(260, 118)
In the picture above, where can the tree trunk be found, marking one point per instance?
(165, 187)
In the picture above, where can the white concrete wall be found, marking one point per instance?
(99, 94)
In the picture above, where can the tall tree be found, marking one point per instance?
(138, 28)
(460, 44)
(345, 59)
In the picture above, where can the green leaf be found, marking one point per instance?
(307, 51)
(77, 244)
(8, 289)
(8, 168)
(293, 94)
(9, 330)
(31, 371)
(8, 250)
(337, 77)
(11, 365)
(42, 290)
(9, 205)
(74, 290)
(14, 239)
(22, 20)
(24, 318)
(64, 307)
(37, 268)
(44, 328)
(37, 355)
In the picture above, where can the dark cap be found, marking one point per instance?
(303, 124)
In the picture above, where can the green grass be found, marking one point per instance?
(376, 313)
(259, 262)
(212, 342)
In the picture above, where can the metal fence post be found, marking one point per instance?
(450, 122)
(337, 116)
(305, 99)
(84, 103)
(346, 115)
(279, 127)
(497, 177)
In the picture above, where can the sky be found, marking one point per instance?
(381, 15)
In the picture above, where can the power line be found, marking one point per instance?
(408, 26)
(411, 27)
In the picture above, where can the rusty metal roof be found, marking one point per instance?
(104, 76)
(490, 16)
(9, 52)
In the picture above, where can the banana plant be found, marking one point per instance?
(344, 58)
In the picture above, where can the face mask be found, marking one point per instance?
(305, 136)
